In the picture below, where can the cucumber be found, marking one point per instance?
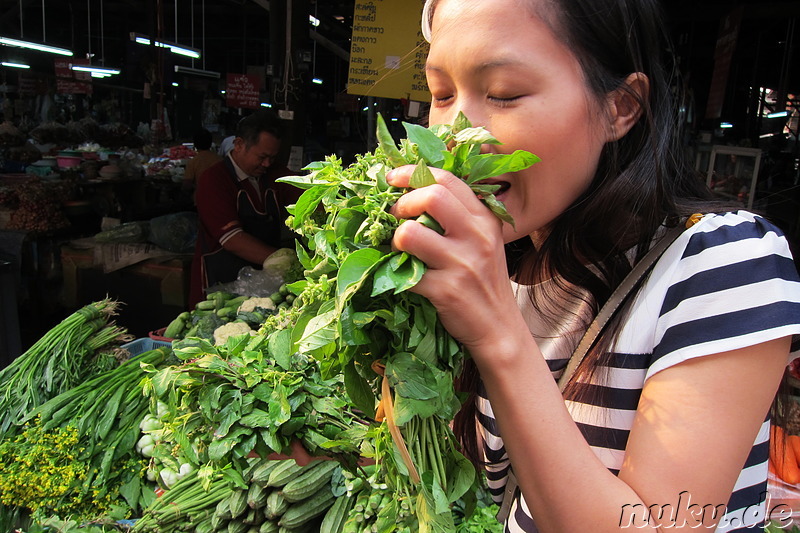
(175, 328)
(284, 473)
(303, 512)
(310, 481)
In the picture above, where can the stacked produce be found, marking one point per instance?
(223, 314)
(271, 495)
(251, 395)
(342, 361)
(39, 207)
(75, 455)
(82, 345)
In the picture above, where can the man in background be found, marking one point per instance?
(241, 208)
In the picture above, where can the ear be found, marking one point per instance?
(238, 144)
(625, 104)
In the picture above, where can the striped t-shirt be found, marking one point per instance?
(728, 282)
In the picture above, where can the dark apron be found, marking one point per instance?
(221, 266)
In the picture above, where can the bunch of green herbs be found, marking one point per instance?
(249, 396)
(358, 320)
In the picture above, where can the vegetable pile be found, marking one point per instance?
(784, 455)
(224, 314)
(271, 496)
(342, 360)
(248, 396)
(81, 345)
(75, 456)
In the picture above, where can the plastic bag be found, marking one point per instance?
(129, 232)
(176, 232)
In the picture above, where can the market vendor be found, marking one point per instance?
(240, 206)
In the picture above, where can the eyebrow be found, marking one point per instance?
(481, 67)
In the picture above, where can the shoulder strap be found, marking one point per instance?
(620, 294)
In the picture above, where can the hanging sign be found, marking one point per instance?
(388, 51)
(70, 81)
(243, 90)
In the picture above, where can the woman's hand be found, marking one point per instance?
(467, 278)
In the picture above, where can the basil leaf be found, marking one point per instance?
(486, 166)
(386, 143)
(476, 136)
(497, 207)
(430, 146)
(421, 177)
(358, 390)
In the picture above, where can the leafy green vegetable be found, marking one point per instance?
(359, 320)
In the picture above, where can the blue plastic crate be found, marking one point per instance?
(140, 346)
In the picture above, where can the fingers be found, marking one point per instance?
(448, 201)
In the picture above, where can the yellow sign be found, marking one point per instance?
(388, 52)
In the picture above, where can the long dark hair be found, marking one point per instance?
(643, 179)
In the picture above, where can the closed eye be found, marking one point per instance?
(502, 101)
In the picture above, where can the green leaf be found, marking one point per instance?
(498, 208)
(353, 272)
(460, 123)
(235, 477)
(484, 166)
(421, 177)
(477, 136)
(307, 204)
(350, 332)
(358, 390)
(302, 182)
(462, 479)
(430, 146)
(280, 348)
(320, 330)
(411, 377)
(131, 490)
(258, 418)
(387, 144)
(398, 274)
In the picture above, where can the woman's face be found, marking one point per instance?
(505, 70)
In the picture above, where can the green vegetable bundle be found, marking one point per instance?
(359, 320)
(64, 357)
(273, 495)
(75, 456)
(250, 395)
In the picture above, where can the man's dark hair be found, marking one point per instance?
(202, 139)
(250, 128)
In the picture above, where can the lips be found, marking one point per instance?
(504, 187)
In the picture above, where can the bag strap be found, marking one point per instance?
(617, 298)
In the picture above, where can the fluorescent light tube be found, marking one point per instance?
(14, 65)
(97, 70)
(196, 71)
(173, 47)
(779, 114)
(35, 46)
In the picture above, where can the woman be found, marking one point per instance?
(665, 425)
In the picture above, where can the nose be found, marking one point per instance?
(471, 109)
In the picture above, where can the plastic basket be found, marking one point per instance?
(140, 346)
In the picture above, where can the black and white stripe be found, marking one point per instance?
(728, 282)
